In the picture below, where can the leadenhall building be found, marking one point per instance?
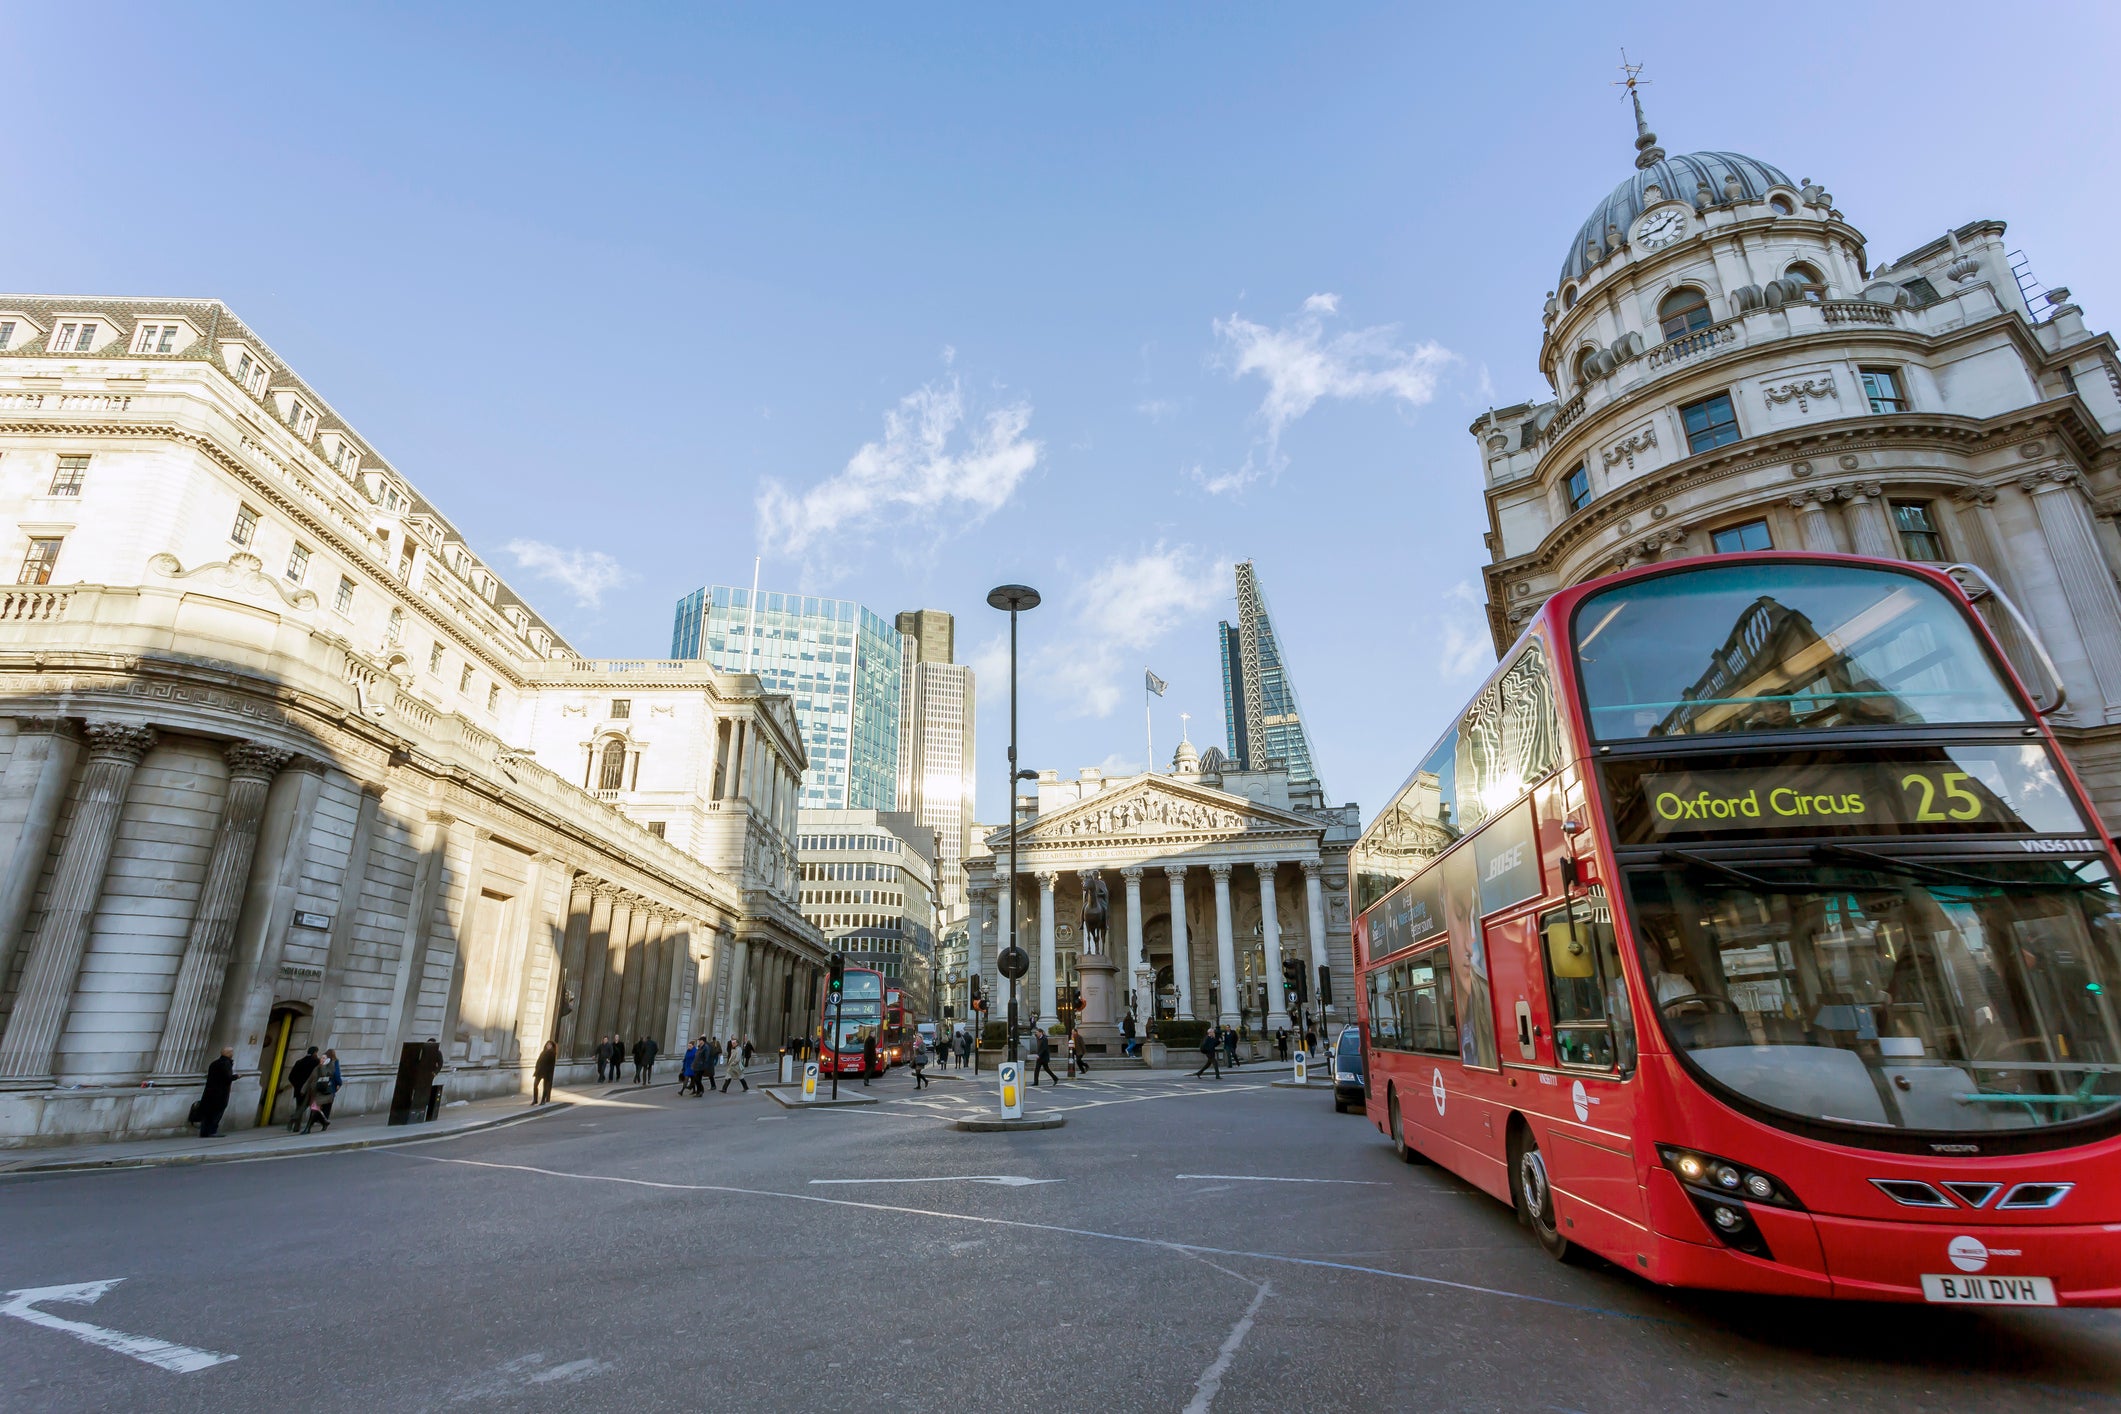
(1730, 371)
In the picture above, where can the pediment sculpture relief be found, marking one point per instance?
(1146, 814)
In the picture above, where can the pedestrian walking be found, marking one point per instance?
(316, 1101)
(685, 1064)
(649, 1051)
(735, 1072)
(541, 1073)
(1078, 1053)
(298, 1081)
(603, 1057)
(1281, 1042)
(708, 1060)
(1042, 1058)
(1127, 1042)
(869, 1067)
(337, 1079)
(919, 1061)
(213, 1100)
(1230, 1045)
(1211, 1052)
(747, 1050)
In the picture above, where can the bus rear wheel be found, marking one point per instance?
(1535, 1198)
(1408, 1154)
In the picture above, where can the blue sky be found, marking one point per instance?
(914, 300)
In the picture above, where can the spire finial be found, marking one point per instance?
(1647, 152)
(1183, 718)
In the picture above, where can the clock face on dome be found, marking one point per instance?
(1661, 229)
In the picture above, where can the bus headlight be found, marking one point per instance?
(1720, 1191)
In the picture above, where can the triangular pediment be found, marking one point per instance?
(1157, 808)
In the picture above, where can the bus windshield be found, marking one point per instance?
(1913, 995)
(1774, 646)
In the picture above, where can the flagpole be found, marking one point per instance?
(1149, 725)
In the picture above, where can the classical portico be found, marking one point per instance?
(1208, 890)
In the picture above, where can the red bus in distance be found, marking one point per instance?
(1750, 930)
(846, 1022)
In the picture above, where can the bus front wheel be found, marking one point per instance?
(1535, 1197)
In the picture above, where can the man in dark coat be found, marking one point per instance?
(298, 1081)
(603, 1056)
(213, 1100)
(868, 1057)
(541, 1074)
(649, 1050)
(1042, 1057)
(1211, 1047)
(430, 1071)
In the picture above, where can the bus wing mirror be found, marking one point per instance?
(1976, 583)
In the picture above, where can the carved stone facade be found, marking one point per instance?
(1728, 370)
(283, 764)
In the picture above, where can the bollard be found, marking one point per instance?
(1303, 1070)
(809, 1081)
(1011, 1073)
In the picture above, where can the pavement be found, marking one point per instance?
(1182, 1244)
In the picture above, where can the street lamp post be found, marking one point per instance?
(1014, 598)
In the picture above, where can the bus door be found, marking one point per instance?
(1590, 1036)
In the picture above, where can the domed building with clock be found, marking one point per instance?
(1729, 371)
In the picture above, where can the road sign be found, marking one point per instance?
(1012, 1090)
(809, 1081)
(1013, 963)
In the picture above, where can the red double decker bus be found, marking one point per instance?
(1749, 930)
(850, 1019)
(895, 1041)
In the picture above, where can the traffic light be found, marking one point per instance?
(1325, 985)
(1292, 977)
(835, 974)
(976, 991)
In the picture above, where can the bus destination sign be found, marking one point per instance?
(1972, 792)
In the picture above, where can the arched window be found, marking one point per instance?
(1583, 378)
(1780, 205)
(1568, 297)
(1809, 277)
(1682, 312)
(613, 774)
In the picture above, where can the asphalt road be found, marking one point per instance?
(654, 1252)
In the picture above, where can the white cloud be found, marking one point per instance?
(586, 574)
(930, 473)
(1467, 649)
(1302, 365)
(1124, 608)
(1118, 765)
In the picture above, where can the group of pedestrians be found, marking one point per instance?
(706, 1055)
(613, 1053)
(313, 1080)
(1218, 1043)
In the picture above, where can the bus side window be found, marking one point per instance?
(1592, 1025)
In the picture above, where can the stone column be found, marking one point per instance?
(677, 968)
(2087, 580)
(182, 1051)
(1225, 947)
(47, 987)
(1870, 530)
(611, 1015)
(1815, 529)
(1181, 949)
(37, 775)
(1132, 874)
(1270, 933)
(411, 976)
(1048, 983)
(632, 1022)
(574, 944)
(589, 1027)
(739, 964)
(1315, 917)
(339, 943)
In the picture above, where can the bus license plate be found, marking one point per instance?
(1989, 1291)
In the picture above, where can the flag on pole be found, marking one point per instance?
(1154, 683)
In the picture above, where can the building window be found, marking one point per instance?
(37, 563)
(1813, 284)
(1919, 536)
(245, 529)
(66, 481)
(621, 708)
(394, 627)
(7, 332)
(464, 679)
(493, 697)
(343, 600)
(251, 375)
(156, 339)
(1753, 535)
(346, 461)
(1709, 423)
(1579, 487)
(298, 563)
(405, 565)
(74, 338)
(1583, 374)
(1780, 205)
(434, 658)
(1683, 311)
(656, 828)
(301, 419)
(613, 774)
(1882, 387)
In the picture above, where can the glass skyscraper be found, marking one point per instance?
(840, 663)
(1262, 721)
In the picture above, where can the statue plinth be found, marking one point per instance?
(1098, 977)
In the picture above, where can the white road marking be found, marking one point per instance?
(1263, 1178)
(1005, 1180)
(167, 1355)
(1184, 1249)
(1211, 1379)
